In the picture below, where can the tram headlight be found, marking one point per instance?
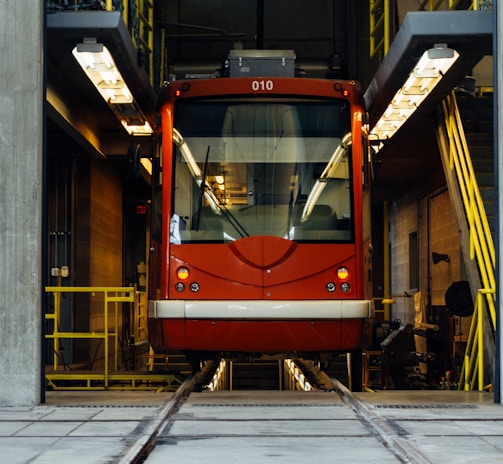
(342, 273)
(182, 273)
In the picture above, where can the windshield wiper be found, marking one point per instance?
(202, 189)
(205, 190)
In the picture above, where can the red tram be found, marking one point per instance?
(261, 218)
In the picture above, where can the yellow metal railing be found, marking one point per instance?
(145, 18)
(434, 5)
(381, 20)
(380, 33)
(481, 242)
(109, 377)
(111, 295)
(140, 21)
(140, 317)
(472, 371)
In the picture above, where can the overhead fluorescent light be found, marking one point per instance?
(100, 68)
(429, 70)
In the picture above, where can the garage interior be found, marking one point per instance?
(433, 264)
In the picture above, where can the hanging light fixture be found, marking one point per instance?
(100, 68)
(429, 70)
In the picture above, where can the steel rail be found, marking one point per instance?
(143, 446)
(400, 448)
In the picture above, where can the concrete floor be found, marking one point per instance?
(255, 426)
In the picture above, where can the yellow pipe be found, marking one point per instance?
(105, 328)
(125, 12)
(116, 338)
(231, 369)
(57, 312)
(372, 28)
(128, 290)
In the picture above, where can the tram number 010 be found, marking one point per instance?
(262, 85)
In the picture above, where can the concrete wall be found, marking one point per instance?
(21, 130)
(498, 74)
(431, 216)
(403, 221)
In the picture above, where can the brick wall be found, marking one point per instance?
(432, 218)
(98, 249)
(106, 224)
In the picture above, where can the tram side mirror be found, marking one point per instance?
(376, 160)
(133, 159)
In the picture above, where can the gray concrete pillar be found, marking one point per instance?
(21, 155)
(498, 150)
(498, 146)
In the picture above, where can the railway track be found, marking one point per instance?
(279, 421)
(142, 447)
(389, 434)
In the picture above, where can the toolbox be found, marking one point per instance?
(261, 63)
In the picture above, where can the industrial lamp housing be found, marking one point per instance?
(100, 68)
(429, 70)
(438, 257)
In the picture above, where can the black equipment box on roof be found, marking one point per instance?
(261, 63)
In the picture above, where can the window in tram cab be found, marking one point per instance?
(262, 167)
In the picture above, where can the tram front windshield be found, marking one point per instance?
(254, 168)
